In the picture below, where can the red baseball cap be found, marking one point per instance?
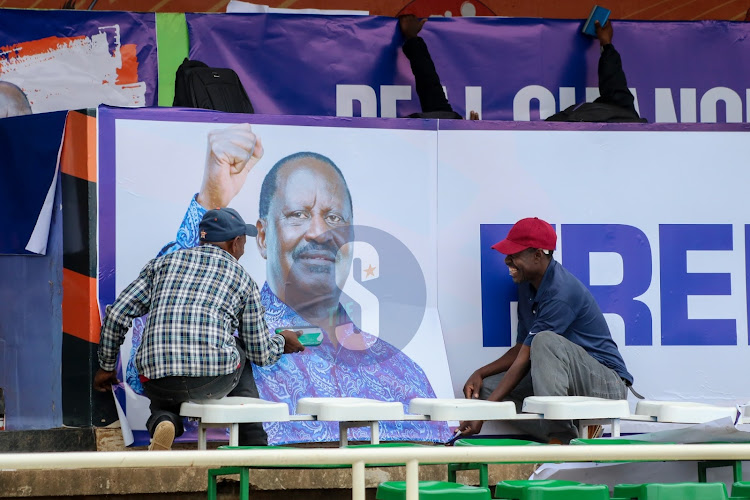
(527, 233)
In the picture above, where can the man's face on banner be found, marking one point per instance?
(304, 235)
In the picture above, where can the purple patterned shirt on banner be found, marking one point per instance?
(380, 371)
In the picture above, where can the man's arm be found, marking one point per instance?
(187, 234)
(263, 347)
(613, 86)
(133, 302)
(231, 153)
(500, 365)
(429, 90)
(517, 370)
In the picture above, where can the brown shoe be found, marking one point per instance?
(163, 436)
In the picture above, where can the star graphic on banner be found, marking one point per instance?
(203, 235)
(370, 271)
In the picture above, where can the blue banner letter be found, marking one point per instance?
(677, 284)
(632, 245)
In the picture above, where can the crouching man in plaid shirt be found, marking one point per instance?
(195, 299)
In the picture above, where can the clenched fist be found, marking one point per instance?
(231, 153)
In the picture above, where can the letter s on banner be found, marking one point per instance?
(368, 302)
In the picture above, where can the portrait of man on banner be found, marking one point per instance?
(307, 240)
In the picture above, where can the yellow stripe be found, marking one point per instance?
(158, 6)
(645, 8)
(287, 3)
(700, 16)
(219, 7)
(675, 8)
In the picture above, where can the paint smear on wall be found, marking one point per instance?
(59, 73)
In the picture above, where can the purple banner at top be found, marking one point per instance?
(506, 69)
(79, 59)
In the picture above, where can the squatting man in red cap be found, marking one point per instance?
(563, 348)
(195, 299)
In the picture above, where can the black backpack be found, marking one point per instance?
(198, 86)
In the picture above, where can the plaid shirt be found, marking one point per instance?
(196, 298)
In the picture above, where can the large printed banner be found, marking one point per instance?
(653, 220)
(78, 59)
(504, 68)
(377, 293)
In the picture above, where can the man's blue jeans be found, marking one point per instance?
(168, 393)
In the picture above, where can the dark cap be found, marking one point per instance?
(527, 233)
(224, 224)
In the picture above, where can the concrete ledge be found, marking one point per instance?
(86, 482)
(62, 439)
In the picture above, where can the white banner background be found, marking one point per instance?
(641, 179)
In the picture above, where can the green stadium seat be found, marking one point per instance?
(518, 489)
(573, 492)
(396, 490)
(629, 491)
(741, 489)
(672, 491)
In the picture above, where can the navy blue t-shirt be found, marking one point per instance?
(565, 306)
